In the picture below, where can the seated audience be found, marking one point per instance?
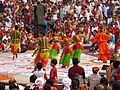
(116, 85)
(50, 82)
(100, 87)
(14, 85)
(2, 86)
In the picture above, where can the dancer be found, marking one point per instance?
(55, 49)
(15, 42)
(67, 54)
(42, 51)
(77, 48)
(102, 38)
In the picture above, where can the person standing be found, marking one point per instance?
(76, 70)
(77, 48)
(42, 51)
(15, 42)
(104, 52)
(55, 49)
(53, 72)
(94, 78)
(66, 54)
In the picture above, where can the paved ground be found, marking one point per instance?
(22, 67)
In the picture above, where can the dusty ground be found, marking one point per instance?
(22, 67)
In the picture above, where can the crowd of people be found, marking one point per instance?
(67, 25)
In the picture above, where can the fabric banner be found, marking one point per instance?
(40, 14)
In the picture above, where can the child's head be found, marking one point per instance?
(53, 62)
(116, 64)
(104, 80)
(33, 78)
(75, 61)
(39, 66)
(13, 86)
(12, 80)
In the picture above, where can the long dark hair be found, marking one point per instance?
(75, 84)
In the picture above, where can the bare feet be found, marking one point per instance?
(16, 55)
(13, 57)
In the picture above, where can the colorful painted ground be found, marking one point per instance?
(22, 67)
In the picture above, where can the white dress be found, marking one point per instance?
(40, 73)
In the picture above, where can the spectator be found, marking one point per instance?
(110, 12)
(116, 85)
(51, 83)
(66, 83)
(1, 7)
(104, 81)
(76, 70)
(53, 72)
(13, 12)
(39, 83)
(39, 72)
(114, 71)
(14, 85)
(94, 78)
(100, 87)
(2, 86)
(32, 80)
